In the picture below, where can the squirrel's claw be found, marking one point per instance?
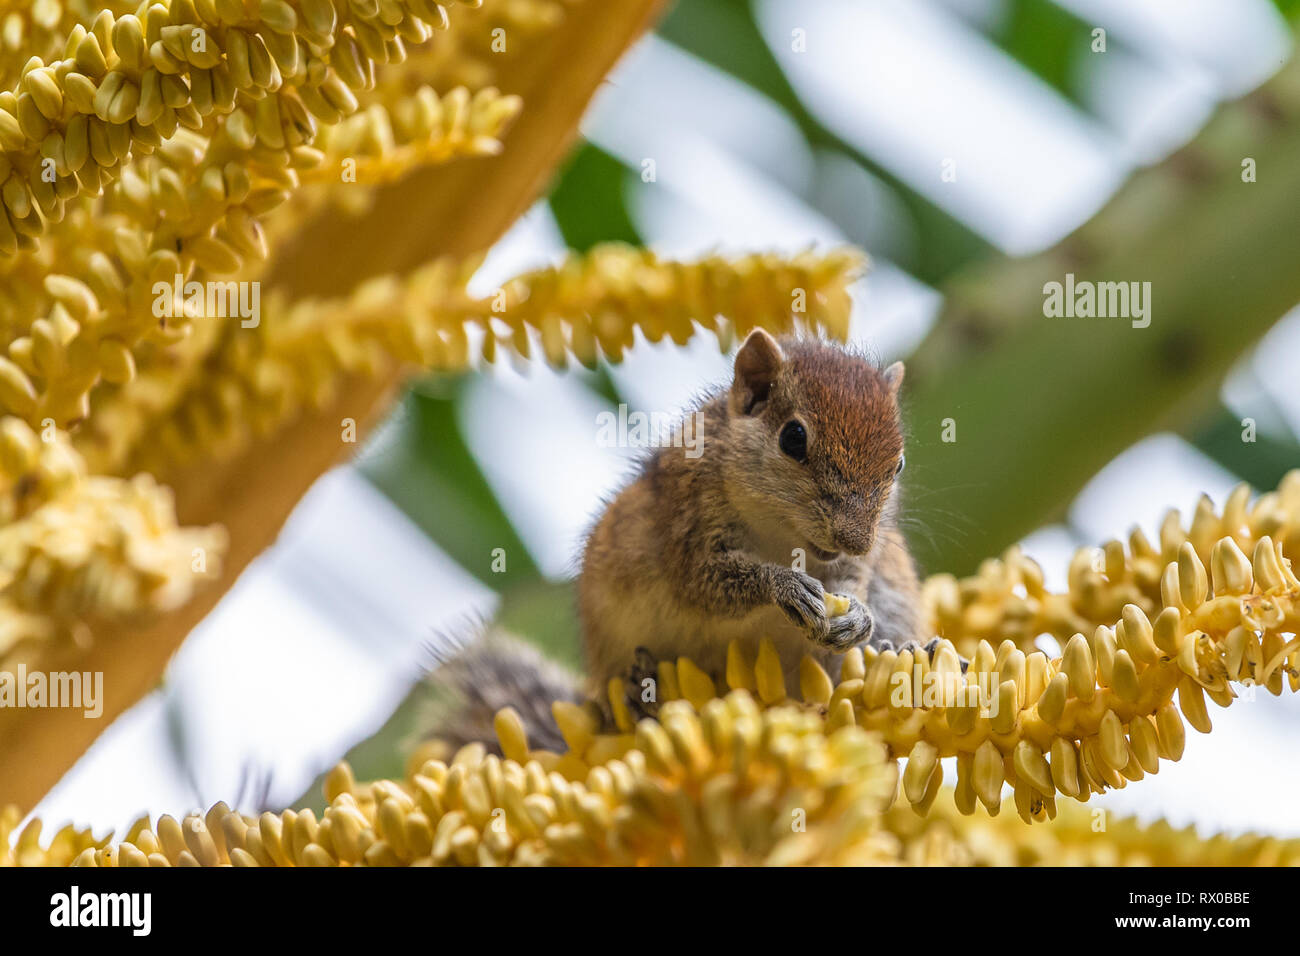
(801, 597)
(883, 644)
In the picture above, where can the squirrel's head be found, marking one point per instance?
(816, 443)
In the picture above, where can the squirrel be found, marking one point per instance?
(790, 492)
(793, 493)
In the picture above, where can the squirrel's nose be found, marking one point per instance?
(854, 534)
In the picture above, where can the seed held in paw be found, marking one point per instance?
(836, 604)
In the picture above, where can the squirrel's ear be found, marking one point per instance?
(757, 364)
(894, 377)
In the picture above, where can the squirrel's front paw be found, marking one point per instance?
(852, 627)
(801, 597)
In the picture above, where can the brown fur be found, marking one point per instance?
(698, 551)
(492, 672)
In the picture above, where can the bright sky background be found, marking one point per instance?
(322, 635)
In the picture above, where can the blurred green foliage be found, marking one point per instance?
(1289, 8)
(589, 200)
(1048, 40)
(1262, 462)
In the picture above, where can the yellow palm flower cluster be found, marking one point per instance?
(1007, 600)
(194, 121)
(1077, 837)
(131, 80)
(254, 380)
(479, 42)
(423, 128)
(80, 550)
(24, 847)
(734, 784)
(581, 304)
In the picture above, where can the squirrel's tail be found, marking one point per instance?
(496, 671)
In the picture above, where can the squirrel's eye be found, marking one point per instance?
(794, 441)
(902, 460)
